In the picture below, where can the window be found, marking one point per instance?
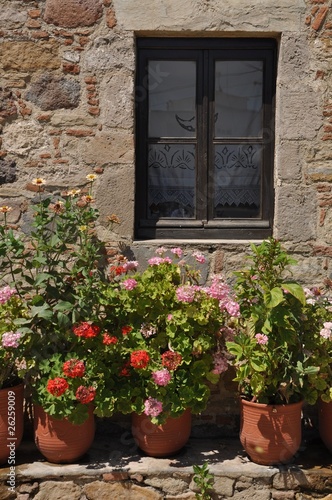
(205, 138)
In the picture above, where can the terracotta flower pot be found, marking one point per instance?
(11, 422)
(60, 441)
(325, 423)
(161, 440)
(270, 434)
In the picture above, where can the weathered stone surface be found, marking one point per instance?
(72, 119)
(11, 15)
(7, 104)
(72, 13)
(29, 56)
(7, 171)
(224, 486)
(290, 161)
(51, 92)
(55, 490)
(105, 491)
(295, 218)
(109, 149)
(108, 52)
(21, 138)
(168, 485)
(225, 15)
(296, 121)
(116, 195)
(121, 84)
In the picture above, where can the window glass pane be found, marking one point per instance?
(171, 181)
(238, 99)
(237, 175)
(172, 96)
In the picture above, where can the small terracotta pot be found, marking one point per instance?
(60, 441)
(270, 434)
(161, 440)
(11, 422)
(325, 423)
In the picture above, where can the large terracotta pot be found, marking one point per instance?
(60, 441)
(325, 423)
(161, 440)
(11, 422)
(270, 434)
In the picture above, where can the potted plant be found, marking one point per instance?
(169, 335)
(270, 358)
(319, 344)
(58, 269)
(12, 364)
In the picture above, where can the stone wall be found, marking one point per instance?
(67, 70)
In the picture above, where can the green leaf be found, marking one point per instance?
(274, 298)
(63, 306)
(296, 290)
(43, 311)
(42, 278)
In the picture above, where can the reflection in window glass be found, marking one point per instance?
(238, 99)
(172, 96)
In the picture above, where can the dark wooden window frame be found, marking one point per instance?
(201, 50)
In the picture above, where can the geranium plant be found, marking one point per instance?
(318, 340)
(58, 271)
(270, 358)
(12, 347)
(169, 335)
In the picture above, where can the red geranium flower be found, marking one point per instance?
(86, 330)
(107, 339)
(139, 359)
(171, 360)
(85, 394)
(57, 386)
(118, 270)
(124, 372)
(126, 329)
(73, 368)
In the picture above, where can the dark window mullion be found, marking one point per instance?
(201, 136)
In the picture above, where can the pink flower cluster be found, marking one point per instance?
(130, 265)
(261, 338)
(326, 332)
(156, 261)
(221, 291)
(220, 363)
(199, 257)
(161, 377)
(187, 293)
(6, 293)
(10, 339)
(153, 407)
(177, 251)
(129, 284)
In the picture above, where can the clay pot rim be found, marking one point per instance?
(267, 405)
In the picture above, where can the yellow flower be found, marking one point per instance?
(5, 209)
(73, 192)
(38, 181)
(82, 228)
(91, 177)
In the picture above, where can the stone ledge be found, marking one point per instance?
(115, 468)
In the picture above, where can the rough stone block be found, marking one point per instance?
(72, 13)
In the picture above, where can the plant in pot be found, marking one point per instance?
(12, 370)
(58, 270)
(318, 333)
(170, 337)
(269, 355)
